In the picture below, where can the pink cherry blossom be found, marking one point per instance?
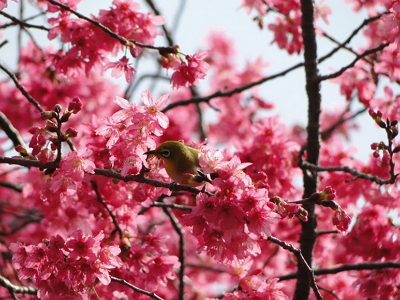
(153, 108)
(121, 67)
(3, 4)
(189, 73)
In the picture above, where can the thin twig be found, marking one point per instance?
(300, 260)
(341, 120)
(11, 131)
(349, 49)
(12, 186)
(360, 56)
(17, 289)
(319, 233)
(179, 230)
(172, 205)
(21, 88)
(328, 291)
(348, 267)
(353, 34)
(133, 85)
(178, 15)
(346, 169)
(22, 23)
(265, 79)
(135, 288)
(19, 38)
(100, 199)
(157, 12)
(231, 92)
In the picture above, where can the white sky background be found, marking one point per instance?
(288, 92)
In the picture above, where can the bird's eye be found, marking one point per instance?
(165, 153)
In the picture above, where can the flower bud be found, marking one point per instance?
(75, 105)
(47, 115)
(71, 132)
(328, 194)
(57, 108)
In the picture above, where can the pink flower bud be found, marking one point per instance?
(75, 105)
(341, 220)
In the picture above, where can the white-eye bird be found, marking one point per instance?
(181, 163)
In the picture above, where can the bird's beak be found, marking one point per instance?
(151, 152)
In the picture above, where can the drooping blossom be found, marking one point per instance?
(120, 67)
(189, 73)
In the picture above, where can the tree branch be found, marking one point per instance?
(310, 179)
(22, 23)
(135, 288)
(351, 171)
(301, 261)
(179, 230)
(341, 120)
(172, 205)
(158, 13)
(360, 56)
(100, 199)
(11, 131)
(348, 267)
(265, 79)
(105, 172)
(21, 88)
(245, 87)
(353, 34)
(17, 289)
(12, 186)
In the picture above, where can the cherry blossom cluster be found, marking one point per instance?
(67, 267)
(185, 73)
(130, 132)
(84, 37)
(373, 224)
(286, 27)
(121, 19)
(252, 287)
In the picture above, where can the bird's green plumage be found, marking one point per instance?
(179, 161)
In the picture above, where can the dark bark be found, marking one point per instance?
(308, 234)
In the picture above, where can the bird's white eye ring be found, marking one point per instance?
(166, 153)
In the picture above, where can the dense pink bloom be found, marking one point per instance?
(89, 43)
(189, 73)
(130, 131)
(67, 268)
(287, 33)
